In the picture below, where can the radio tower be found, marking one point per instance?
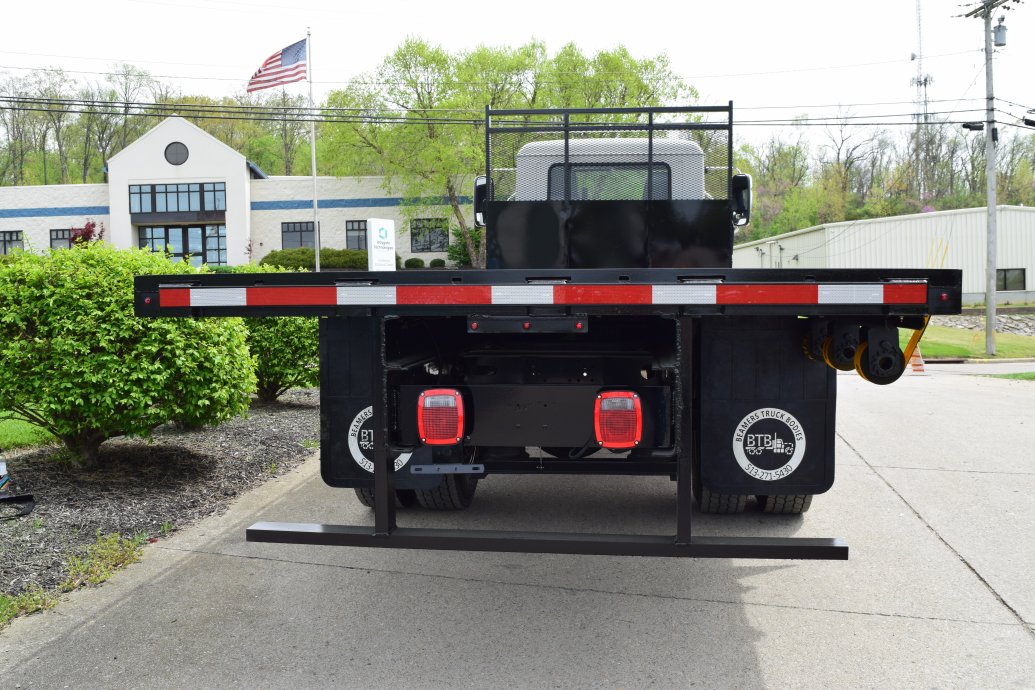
(920, 81)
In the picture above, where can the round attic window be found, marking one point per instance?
(176, 153)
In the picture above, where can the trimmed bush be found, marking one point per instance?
(304, 258)
(457, 250)
(414, 262)
(437, 263)
(77, 362)
(285, 349)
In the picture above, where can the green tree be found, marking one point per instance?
(76, 361)
(420, 122)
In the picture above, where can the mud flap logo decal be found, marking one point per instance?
(769, 443)
(361, 442)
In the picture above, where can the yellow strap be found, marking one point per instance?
(915, 339)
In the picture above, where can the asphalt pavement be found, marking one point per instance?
(934, 496)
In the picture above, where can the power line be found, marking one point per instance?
(59, 101)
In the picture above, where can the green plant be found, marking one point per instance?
(285, 350)
(103, 558)
(437, 263)
(33, 599)
(304, 258)
(270, 468)
(166, 528)
(457, 250)
(414, 262)
(309, 443)
(76, 361)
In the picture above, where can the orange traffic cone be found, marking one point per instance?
(916, 361)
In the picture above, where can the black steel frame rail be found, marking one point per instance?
(945, 277)
(550, 542)
(387, 534)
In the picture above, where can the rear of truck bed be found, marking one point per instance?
(721, 361)
(608, 335)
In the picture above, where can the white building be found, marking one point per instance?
(179, 187)
(942, 239)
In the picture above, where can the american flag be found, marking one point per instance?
(283, 67)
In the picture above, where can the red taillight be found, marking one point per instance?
(618, 419)
(440, 417)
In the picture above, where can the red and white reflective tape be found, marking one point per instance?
(566, 294)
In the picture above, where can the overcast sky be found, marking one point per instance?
(772, 58)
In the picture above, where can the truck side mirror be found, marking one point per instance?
(481, 194)
(740, 199)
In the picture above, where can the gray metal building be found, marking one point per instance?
(940, 239)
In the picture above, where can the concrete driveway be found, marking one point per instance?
(936, 475)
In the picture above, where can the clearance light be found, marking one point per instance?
(440, 417)
(617, 419)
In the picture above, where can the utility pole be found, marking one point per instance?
(984, 10)
(990, 178)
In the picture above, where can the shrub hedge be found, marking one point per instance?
(76, 361)
(285, 349)
(304, 258)
(414, 262)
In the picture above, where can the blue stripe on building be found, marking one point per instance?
(51, 212)
(379, 202)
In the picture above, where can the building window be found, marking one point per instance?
(215, 196)
(177, 198)
(356, 234)
(61, 239)
(294, 235)
(215, 245)
(10, 240)
(173, 198)
(429, 235)
(140, 198)
(1009, 279)
(201, 243)
(176, 153)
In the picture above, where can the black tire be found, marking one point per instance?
(719, 504)
(785, 504)
(708, 502)
(404, 498)
(455, 492)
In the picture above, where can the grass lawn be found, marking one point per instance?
(17, 434)
(942, 341)
(1024, 376)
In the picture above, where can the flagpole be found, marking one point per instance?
(312, 144)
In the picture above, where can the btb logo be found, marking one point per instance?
(382, 233)
(769, 443)
(361, 442)
(759, 443)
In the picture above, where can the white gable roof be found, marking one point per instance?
(175, 128)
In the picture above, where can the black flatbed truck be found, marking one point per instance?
(608, 319)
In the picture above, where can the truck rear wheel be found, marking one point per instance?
(454, 493)
(785, 504)
(720, 504)
(709, 502)
(404, 498)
